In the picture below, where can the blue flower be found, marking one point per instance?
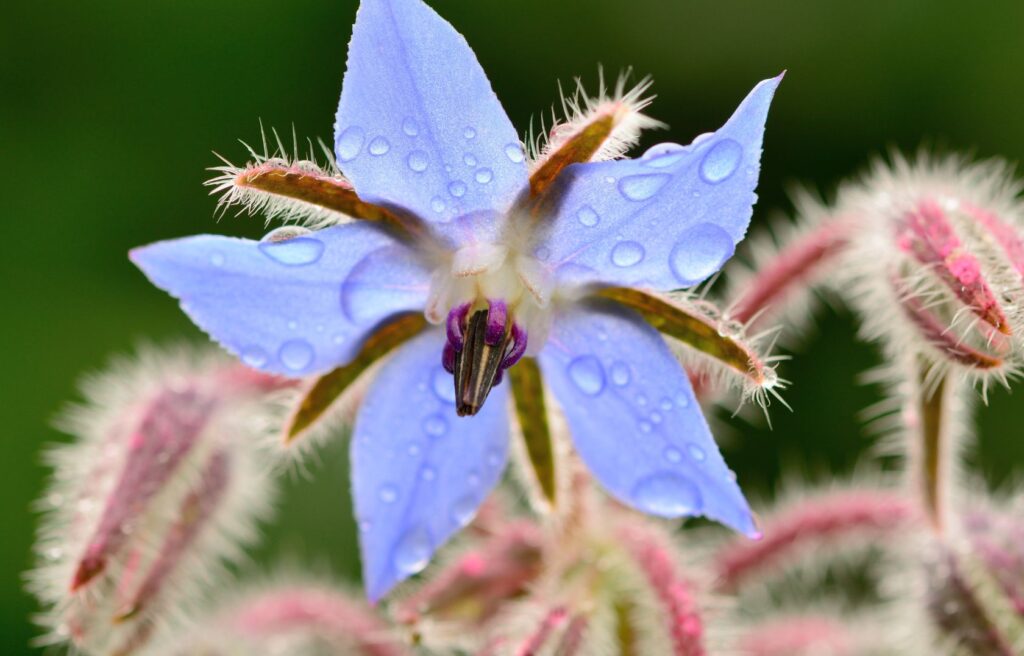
(503, 261)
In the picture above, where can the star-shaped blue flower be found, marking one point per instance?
(501, 272)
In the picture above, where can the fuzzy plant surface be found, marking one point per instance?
(515, 338)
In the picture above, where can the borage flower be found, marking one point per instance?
(506, 259)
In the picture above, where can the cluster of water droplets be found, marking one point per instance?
(667, 492)
(350, 145)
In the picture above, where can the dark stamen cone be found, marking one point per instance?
(477, 365)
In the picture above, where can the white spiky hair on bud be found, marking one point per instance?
(100, 616)
(625, 104)
(903, 303)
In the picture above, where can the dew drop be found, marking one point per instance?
(379, 146)
(542, 253)
(217, 259)
(463, 510)
(620, 373)
(293, 325)
(299, 251)
(721, 161)
(388, 493)
(646, 427)
(587, 216)
(668, 495)
(443, 386)
(437, 204)
(365, 526)
(436, 425)
(644, 186)
(469, 133)
(696, 452)
(296, 354)
(514, 152)
(417, 161)
(655, 417)
(682, 400)
(672, 454)
(700, 252)
(413, 551)
(469, 159)
(414, 450)
(254, 356)
(641, 400)
(474, 478)
(483, 176)
(338, 339)
(284, 233)
(665, 403)
(627, 253)
(410, 128)
(663, 155)
(428, 474)
(457, 188)
(587, 374)
(494, 457)
(349, 143)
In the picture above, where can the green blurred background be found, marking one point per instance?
(109, 112)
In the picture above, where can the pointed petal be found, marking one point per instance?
(634, 419)
(291, 307)
(669, 219)
(418, 125)
(419, 471)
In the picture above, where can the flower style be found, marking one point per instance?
(510, 260)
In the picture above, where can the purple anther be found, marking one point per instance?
(497, 320)
(454, 325)
(448, 358)
(518, 348)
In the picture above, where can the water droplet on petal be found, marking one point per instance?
(696, 452)
(682, 400)
(417, 161)
(254, 356)
(587, 216)
(494, 457)
(483, 176)
(443, 386)
(663, 155)
(413, 551)
(620, 373)
(627, 253)
(217, 259)
(437, 204)
(469, 133)
(672, 454)
(655, 417)
(428, 474)
(469, 159)
(665, 403)
(721, 161)
(388, 493)
(296, 354)
(542, 253)
(668, 495)
(414, 449)
(646, 427)
(436, 425)
(457, 188)
(379, 146)
(700, 252)
(514, 152)
(284, 233)
(642, 187)
(463, 510)
(299, 251)
(587, 374)
(349, 143)
(474, 478)
(410, 128)
(365, 526)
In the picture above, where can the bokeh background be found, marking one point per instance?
(109, 111)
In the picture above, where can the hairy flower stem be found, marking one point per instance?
(326, 191)
(958, 610)
(793, 268)
(934, 447)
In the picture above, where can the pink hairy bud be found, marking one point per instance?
(808, 524)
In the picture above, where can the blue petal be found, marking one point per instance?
(419, 471)
(418, 125)
(634, 419)
(293, 307)
(669, 219)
